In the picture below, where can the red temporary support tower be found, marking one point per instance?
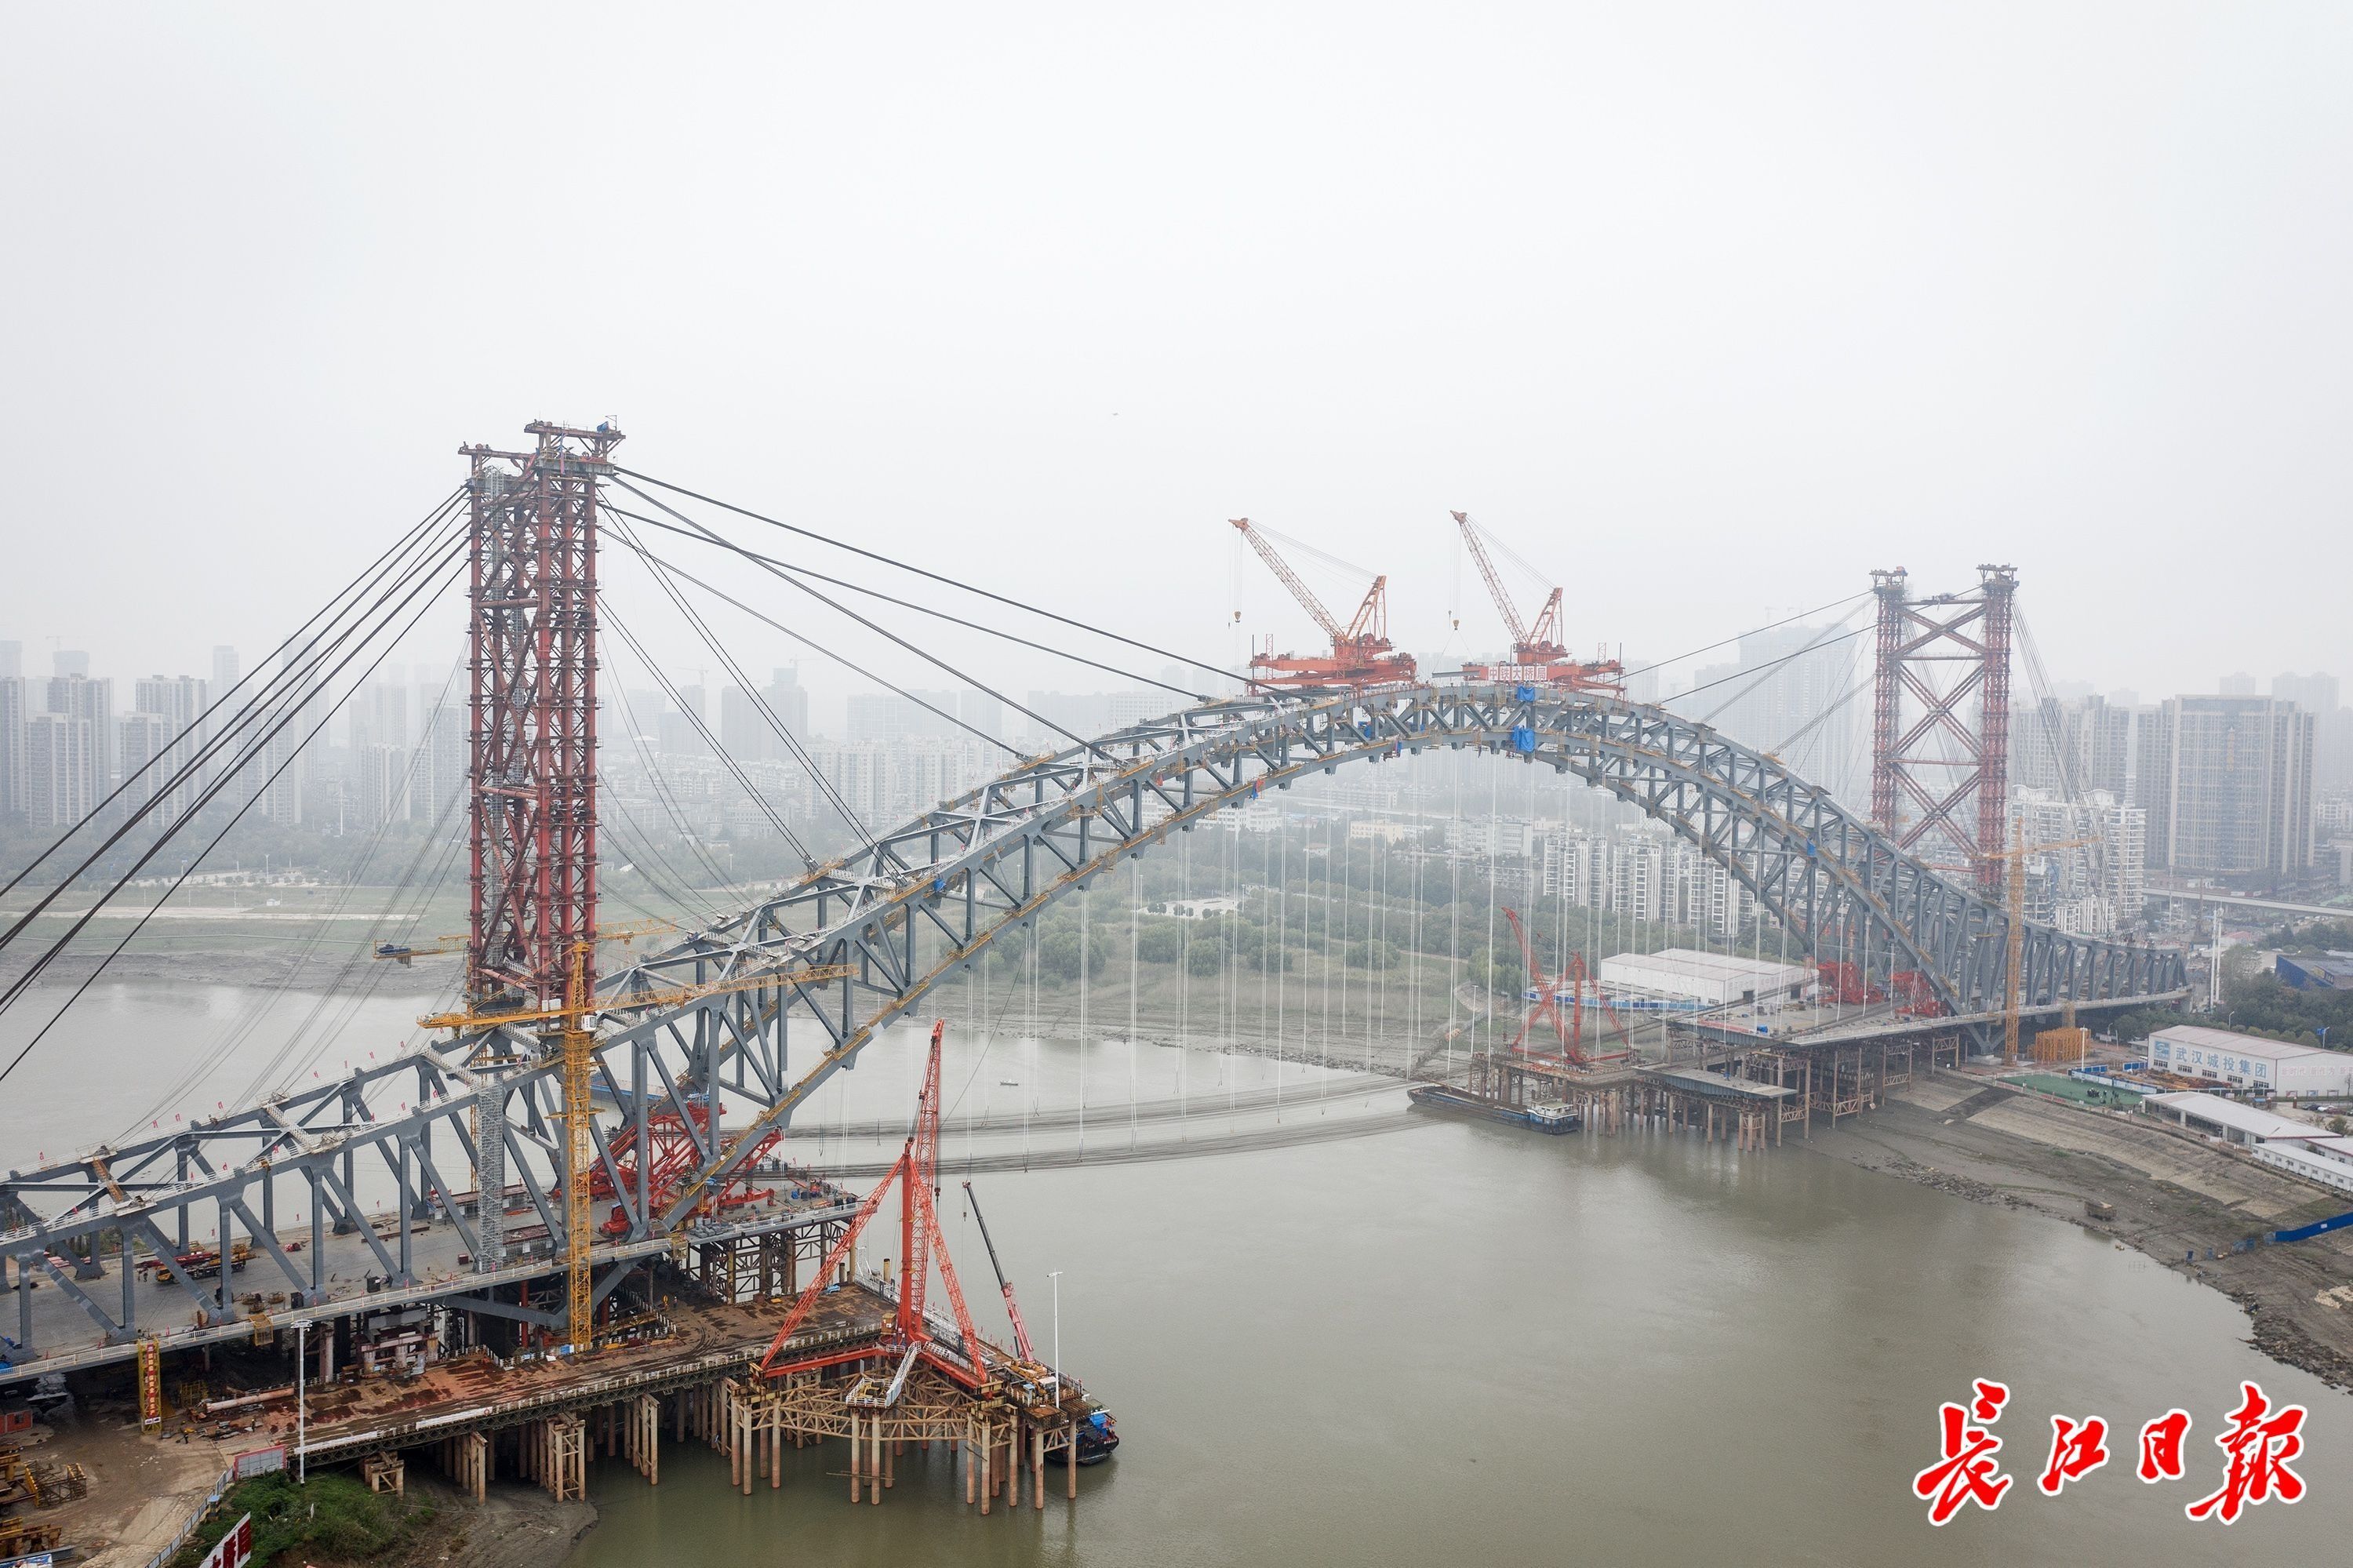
(533, 813)
(677, 1141)
(1936, 779)
(1572, 982)
(916, 1172)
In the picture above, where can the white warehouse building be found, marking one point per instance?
(2249, 1062)
(1712, 980)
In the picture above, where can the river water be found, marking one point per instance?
(1450, 1341)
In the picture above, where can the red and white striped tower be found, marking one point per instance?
(532, 812)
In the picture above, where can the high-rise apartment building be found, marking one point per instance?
(179, 701)
(279, 773)
(77, 698)
(2088, 889)
(67, 661)
(2227, 782)
(12, 748)
(59, 773)
(379, 715)
(378, 789)
(438, 776)
(144, 742)
(789, 700)
(2070, 749)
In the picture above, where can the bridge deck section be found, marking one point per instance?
(63, 1337)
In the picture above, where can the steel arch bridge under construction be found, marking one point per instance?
(787, 992)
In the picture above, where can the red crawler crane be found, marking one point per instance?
(1572, 979)
(1360, 655)
(1537, 657)
(916, 1171)
(676, 1152)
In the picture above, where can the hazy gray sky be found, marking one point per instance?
(1711, 307)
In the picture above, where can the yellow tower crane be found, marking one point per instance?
(577, 1043)
(2013, 979)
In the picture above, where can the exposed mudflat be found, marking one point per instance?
(2177, 1198)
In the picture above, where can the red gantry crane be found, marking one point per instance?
(1361, 654)
(1537, 656)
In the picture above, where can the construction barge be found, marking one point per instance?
(1549, 1116)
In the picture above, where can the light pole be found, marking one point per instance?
(1057, 1277)
(301, 1404)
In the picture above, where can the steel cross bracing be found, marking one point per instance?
(859, 942)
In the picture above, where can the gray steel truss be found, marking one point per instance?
(858, 943)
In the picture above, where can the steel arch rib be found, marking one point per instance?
(933, 894)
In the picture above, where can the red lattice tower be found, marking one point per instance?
(532, 784)
(1935, 781)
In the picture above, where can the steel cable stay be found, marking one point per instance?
(726, 758)
(292, 677)
(1180, 659)
(918, 650)
(710, 536)
(679, 890)
(362, 961)
(683, 896)
(666, 795)
(285, 715)
(234, 1035)
(1728, 641)
(662, 573)
(372, 972)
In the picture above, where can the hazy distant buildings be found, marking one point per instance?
(2070, 749)
(1790, 693)
(379, 715)
(2332, 754)
(682, 730)
(2227, 782)
(1091, 714)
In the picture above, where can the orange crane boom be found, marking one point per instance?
(1537, 655)
(1012, 1308)
(1361, 653)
